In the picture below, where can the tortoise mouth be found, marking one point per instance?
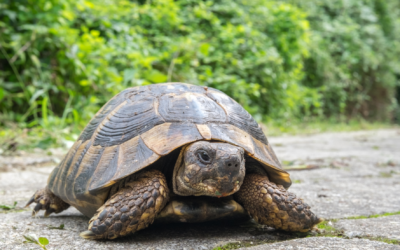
(208, 187)
(220, 188)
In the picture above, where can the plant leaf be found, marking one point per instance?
(9, 207)
(43, 241)
(1, 93)
(31, 239)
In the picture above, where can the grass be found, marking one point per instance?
(315, 126)
(14, 138)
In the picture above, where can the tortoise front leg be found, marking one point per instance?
(272, 205)
(131, 209)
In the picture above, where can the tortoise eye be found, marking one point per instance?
(203, 156)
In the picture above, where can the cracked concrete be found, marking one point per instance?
(386, 227)
(356, 173)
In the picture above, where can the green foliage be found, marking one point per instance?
(61, 60)
(283, 60)
(354, 51)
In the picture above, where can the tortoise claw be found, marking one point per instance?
(48, 212)
(31, 200)
(37, 208)
(88, 235)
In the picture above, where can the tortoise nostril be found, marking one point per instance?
(229, 165)
(236, 165)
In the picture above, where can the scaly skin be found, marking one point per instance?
(273, 206)
(131, 209)
(46, 200)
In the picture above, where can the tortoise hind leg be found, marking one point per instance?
(48, 201)
(272, 205)
(131, 209)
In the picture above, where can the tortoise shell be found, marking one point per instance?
(141, 124)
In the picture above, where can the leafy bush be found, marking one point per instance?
(60, 60)
(354, 55)
(66, 58)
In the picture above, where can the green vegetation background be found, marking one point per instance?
(287, 62)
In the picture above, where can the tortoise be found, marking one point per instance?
(172, 152)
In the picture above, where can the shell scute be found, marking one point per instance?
(67, 175)
(237, 115)
(176, 88)
(85, 172)
(190, 107)
(106, 168)
(168, 136)
(127, 121)
(54, 178)
(87, 133)
(133, 156)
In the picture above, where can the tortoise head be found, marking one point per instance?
(209, 168)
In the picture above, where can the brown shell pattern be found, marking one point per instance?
(141, 124)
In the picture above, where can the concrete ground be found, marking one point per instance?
(350, 175)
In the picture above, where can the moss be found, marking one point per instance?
(385, 240)
(326, 225)
(372, 216)
(240, 244)
(327, 229)
(385, 174)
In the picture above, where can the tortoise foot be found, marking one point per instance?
(46, 200)
(131, 209)
(272, 205)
